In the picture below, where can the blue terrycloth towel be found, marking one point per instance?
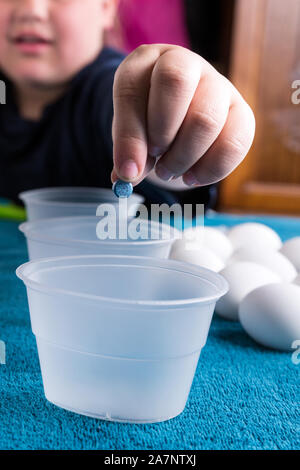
(243, 396)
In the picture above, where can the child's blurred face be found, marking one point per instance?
(46, 42)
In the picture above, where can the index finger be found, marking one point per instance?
(130, 94)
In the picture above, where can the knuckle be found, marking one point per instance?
(124, 84)
(159, 136)
(237, 142)
(235, 145)
(209, 122)
(126, 92)
(135, 54)
(142, 49)
(172, 78)
(132, 140)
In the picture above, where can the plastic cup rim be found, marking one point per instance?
(186, 268)
(29, 196)
(32, 234)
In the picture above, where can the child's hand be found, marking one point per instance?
(169, 101)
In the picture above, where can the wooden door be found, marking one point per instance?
(265, 63)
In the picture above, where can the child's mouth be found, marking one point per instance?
(31, 44)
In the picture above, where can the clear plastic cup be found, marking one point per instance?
(71, 236)
(119, 337)
(48, 203)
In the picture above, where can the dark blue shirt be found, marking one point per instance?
(71, 145)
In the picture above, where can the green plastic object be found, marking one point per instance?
(11, 211)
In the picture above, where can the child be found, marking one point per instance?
(78, 114)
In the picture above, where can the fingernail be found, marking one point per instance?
(163, 173)
(190, 179)
(128, 170)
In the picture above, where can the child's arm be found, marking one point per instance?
(169, 101)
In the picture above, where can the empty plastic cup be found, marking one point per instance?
(119, 337)
(77, 236)
(64, 202)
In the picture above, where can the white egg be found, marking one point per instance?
(242, 277)
(196, 254)
(274, 260)
(212, 238)
(271, 315)
(291, 249)
(297, 280)
(252, 233)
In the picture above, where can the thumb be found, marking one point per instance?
(150, 163)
